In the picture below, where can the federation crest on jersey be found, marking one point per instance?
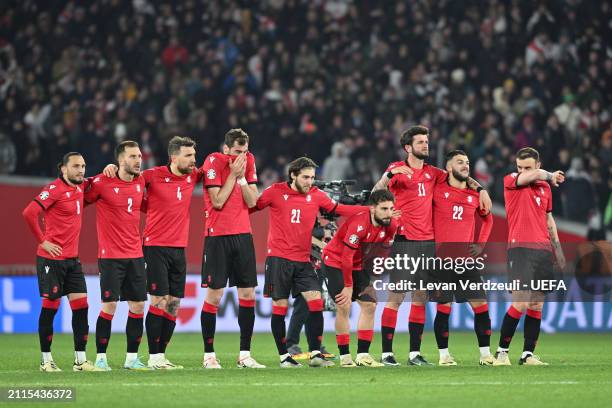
(382, 234)
(189, 179)
(427, 176)
(446, 195)
(469, 199)
(167, 179)
(212, 159)
(308, 198)
(285, 196)
(97, 179)
(116, 190)
(44, 195)
(138, 187)
(359, 228)
(354, 239)
(211, 173)
(52, 186)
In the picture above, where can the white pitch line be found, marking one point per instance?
(334, 384)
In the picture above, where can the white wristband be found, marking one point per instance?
(242, 181)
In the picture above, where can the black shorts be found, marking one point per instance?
(57, 278)
(166, 270)
(123, 279)
(284, 277)
(361, 282)
(229, 257)
(459, 295)
(527, 264)
(413, 250)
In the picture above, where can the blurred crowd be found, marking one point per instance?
(335, 80)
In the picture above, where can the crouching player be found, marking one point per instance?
(347, 282)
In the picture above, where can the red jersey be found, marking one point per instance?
(118, 215)
(454, 215)
(293, 216)
(168, 198)
(233, 218)
(63, 214)
(413, 196)
(526, 208)
(349, 242)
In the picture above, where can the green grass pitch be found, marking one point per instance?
(580, 374)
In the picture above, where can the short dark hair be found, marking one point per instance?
(236, 135)
(453, 153)
(175, 144)
(124, 145)
(380, 196)
(528, 153)
(408, 135)
(66, 159)
(299, 164)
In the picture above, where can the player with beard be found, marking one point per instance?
(120, 260)
(168, 197)
(412, 182)
(57, 264)
(454, 214)
(347, 281)
(294, 206)
(229, 254)
(532, 239)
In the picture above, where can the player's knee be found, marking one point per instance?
(344, 309)
(137, 307)
(109, 307)
(311, 295)
(538, 306)
(368, 308)
(173, 305)
(213, 296)
(159, 302)
(520, 306)
(478, 303)
(280, 302)
(246, 293)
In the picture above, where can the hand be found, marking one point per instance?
(110, 170)
(345, 296)
(484, 201)
(402, 170)
(238, 166)
(54, 250)
(396, 214)
(558, 177)
(475, 250)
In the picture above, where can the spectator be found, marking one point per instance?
(578, 184)
(337, 166)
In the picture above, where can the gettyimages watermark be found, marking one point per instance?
(459, 271)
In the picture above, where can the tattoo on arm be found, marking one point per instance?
(382, 183)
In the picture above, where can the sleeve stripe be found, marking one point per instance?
(348, 246)
(38, 202)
